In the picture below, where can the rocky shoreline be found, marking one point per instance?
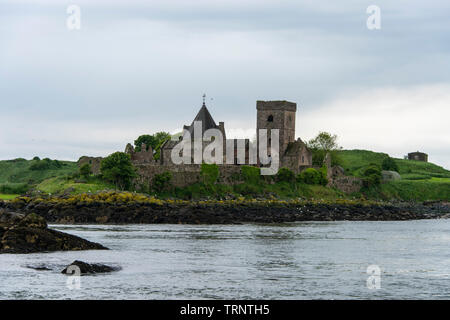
(28, 233)
(217, 212)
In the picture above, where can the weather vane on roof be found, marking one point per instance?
(204, 98)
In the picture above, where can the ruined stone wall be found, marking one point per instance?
(184, 175)
(418, 156)
(94, 162)
(346, 184)
(142, 157)
(297, 162)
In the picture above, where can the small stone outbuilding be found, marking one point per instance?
(418, 156)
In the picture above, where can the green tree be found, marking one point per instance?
(85, 170)
(155, 140)
(389, 164)
(117, 168)
(322, 144)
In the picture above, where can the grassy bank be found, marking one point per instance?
(354, 161)
(412, 190)
(8, 196)
(420, 181)
(68, 185)
(31, 172)
(281, 190)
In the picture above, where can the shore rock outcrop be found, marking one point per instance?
(114, 208)
(28, 233)
(87, 268)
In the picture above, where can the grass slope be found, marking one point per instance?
(420, 180)
(8, 196)
(19, 175)
(19, 171)
(353, 161)
(62, 184)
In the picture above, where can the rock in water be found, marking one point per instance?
(86, 268)
(29, 234)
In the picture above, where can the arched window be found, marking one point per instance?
(270, 118)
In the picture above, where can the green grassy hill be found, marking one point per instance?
(420, 180)
(18, 175)
(354, 161)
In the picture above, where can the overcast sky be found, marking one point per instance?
(139, 67)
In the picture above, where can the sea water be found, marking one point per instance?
(307, 260)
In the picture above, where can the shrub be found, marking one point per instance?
(36, 158)
(285, 175)
(247, 189)
(311, 176)
(45, 164)
(85, 170)
(371, 175)
(209, 173)
(117, 168)
(323, 175)
(14, 188)
(161, 182)
(251, 174)
(389, 164)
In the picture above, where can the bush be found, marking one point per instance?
(14, 188)
(36, 158)
(251, 174)
(247, 189)
(161, 182)
(117, 168)
(45, 164)
(312, 176)
(389, 164)
(372, 175)
(323, 175)
(85, 170)
(209, 173)
(285, 175)
(40, 165)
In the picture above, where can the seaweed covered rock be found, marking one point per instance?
(21, 233)
(87, 268)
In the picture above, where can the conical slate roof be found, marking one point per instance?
(205, 117)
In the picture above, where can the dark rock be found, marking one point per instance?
(87, 268)
(39, 268)
(29, 233)
(8, 217)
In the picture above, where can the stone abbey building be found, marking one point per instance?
(281, 115)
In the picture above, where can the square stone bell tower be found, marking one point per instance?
(277, 115)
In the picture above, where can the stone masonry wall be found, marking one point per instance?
(94, 162)
(185, 174)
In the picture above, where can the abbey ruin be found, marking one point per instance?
(271, 115)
